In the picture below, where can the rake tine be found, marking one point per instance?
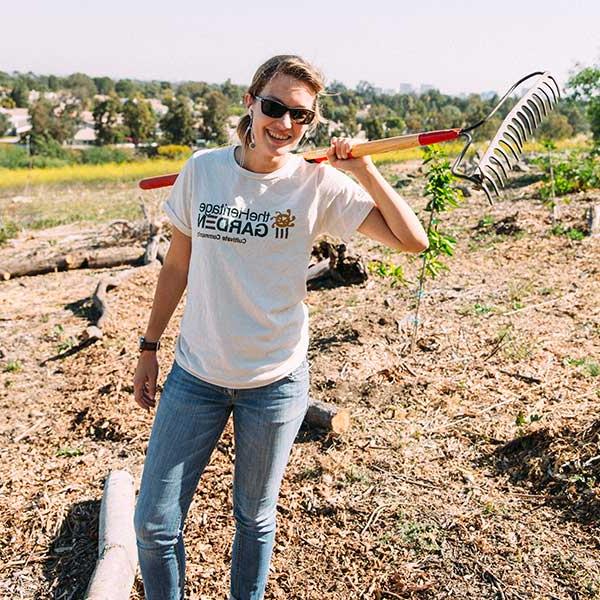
(536, 110)
(501, 167)
(499, 179)
(551, 88)
(531, 115)
(521, 133)
(524, 120)
(550, 102)
(507, 133)
(487, 193)
(542, 103)
(556, 84)
(516, 138)
(506, 157)
(496, 190)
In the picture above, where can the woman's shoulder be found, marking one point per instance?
(210, 155)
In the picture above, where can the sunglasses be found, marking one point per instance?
(275, 110)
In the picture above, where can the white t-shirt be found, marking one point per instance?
(245, 323)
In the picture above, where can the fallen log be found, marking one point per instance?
(92, 259)
(99, 299)
(117, 552)
(327, 416)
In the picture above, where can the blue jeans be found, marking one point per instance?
(190, 418)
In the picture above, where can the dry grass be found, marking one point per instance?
(471, 471)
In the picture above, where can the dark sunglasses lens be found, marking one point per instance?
(273, 109)
(301, 115)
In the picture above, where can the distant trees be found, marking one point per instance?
(51, 126)
(214, 118)
(20, 94)
(104, 85)
(200, 109)
(81, 86)
(106, 118)
(4, 124)
(177, 124)
(586, 87)
(139, 119)
(554, 127)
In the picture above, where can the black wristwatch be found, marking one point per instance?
(146, 345)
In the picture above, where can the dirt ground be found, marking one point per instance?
(472, 467)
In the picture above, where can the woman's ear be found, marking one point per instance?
(248, 99)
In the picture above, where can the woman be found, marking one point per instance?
(245, 219)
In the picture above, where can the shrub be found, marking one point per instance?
(8, 230)
(13, 157)
(174, 151)
(99, 155)
(577, 171)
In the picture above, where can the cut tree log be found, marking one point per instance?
(91, 259)
(117, 552)
(335, 264)
(327, 416)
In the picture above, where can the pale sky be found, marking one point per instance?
(456, 45)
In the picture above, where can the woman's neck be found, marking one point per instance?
(251, 161)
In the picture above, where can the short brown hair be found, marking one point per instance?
(284, 64)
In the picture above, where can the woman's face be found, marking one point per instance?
(276, 137)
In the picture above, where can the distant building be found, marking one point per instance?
(158, 107)
(85, 135)
(406, 88)
(426, 87)
(19, 119)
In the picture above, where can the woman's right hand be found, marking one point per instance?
(144, 380)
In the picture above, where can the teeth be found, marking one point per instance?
(277, 137)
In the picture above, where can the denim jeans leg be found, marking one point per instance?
(190, 418)
(266, 422)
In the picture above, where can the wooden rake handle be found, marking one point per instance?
(400, 142)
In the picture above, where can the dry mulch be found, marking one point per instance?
(471, 470)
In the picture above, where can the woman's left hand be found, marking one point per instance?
(337, 156)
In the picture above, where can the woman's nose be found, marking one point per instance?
(286, 120)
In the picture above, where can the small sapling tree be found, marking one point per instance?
(443, 196)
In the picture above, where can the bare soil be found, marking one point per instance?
(472, 468)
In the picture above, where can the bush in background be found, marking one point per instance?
(174, 151)
(575, 172)
(99, 155)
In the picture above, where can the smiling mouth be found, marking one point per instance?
(278, 138)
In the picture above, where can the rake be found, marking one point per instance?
(491, 173)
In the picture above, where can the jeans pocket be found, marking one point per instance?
(299, 373)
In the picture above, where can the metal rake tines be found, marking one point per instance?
(507, 146)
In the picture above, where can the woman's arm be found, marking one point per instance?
(392, 221)
(172, 282)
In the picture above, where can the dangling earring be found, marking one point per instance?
(252, 143)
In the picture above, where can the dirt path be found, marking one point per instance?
(471, 470)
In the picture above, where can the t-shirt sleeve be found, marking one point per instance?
(178, 205)
(343, 204)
